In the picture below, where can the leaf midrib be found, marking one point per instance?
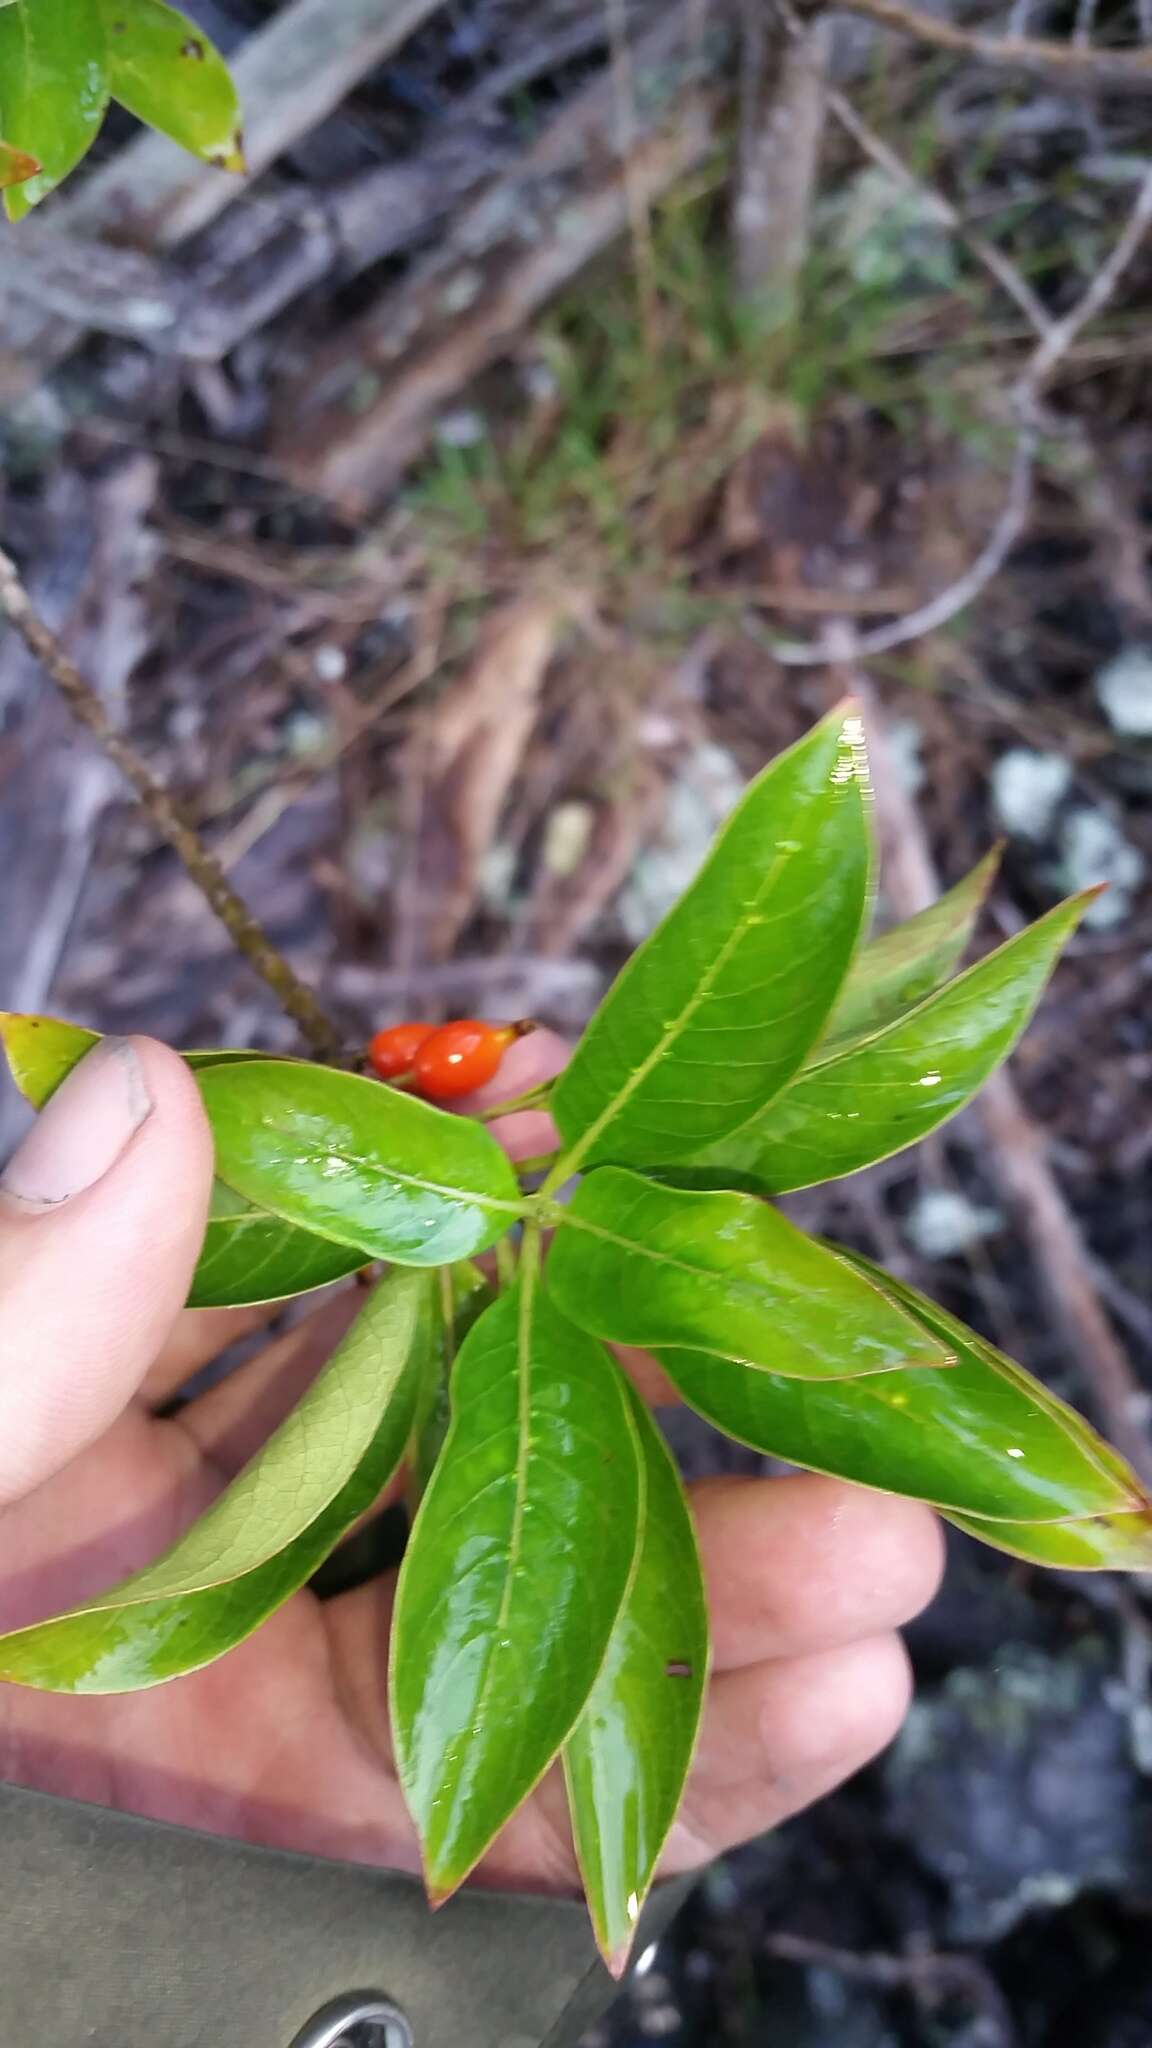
(942, 1356)
(571, 1161)
(392, 1173)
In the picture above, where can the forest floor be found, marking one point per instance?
(456, 520)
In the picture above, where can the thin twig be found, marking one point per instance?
(929, 617)
(247, 935)
(993, 260)
(929, 1975)
(1068, 63)
(1016, 1145)
(1024, 399)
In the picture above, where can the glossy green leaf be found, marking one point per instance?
(982, 1438)
(42, 1051)
(461, 1297)
(893, 972)
(1102, 1543)
(882, 1093)
(628, 1758)
(363, 1165)
(515, 1570)
(639, 1263)
(53, 89)
(717, 1009)
(248, 1256)
(266, 1534)
(164, 69)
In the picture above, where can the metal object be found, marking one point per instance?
(358, 2019)
(121, 1933)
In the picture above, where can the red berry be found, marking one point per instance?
(460, 1057)
(393, 1052)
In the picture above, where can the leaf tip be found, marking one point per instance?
(233, 156)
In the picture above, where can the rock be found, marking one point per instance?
(707, 788)
(1027, 789)
(1015, 1786)
(1093, 849)
(1124, 687)
(943, 1222)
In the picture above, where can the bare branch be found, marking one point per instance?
(83, 702)
(1025, 396)
(1070, 64)
(782, 133)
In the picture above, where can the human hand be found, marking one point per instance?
(285, 1740)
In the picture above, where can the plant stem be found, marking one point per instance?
(250, 938)
(532, 1098)
(541, 1161)
(505, 1263)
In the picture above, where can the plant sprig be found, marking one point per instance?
(550, 1605)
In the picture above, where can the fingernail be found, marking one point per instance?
(84, 1129)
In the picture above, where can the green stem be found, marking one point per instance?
(532, 1098)
(536, 1165)
(505, 1263)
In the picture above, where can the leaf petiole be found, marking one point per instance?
(532, 1098)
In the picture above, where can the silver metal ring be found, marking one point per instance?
(330, 2027)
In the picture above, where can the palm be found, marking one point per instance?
(285, 1741)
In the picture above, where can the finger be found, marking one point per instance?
(102, 1212)
(529, 1061)
(198, 1337)
(776, 1736)
(799, 1565)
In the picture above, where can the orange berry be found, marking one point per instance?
(460, 1057)
(393, 1051)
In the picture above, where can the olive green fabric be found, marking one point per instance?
(119, 1933)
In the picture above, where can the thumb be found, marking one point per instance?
(102, 1213)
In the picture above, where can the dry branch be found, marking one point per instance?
(1069, 64)
(525, 235)
(153, 195)
(463, 759)
(782, 130)
(87, 708)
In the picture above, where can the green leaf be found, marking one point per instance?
(1105, 1543)
(266, 1534)
(717, 1009)
(358, 1163)
(983, 1438)
(164, 70)
(628, 1758)
(42, 1051)
(851, 1108)
(639, 1263)
(461, 1298)
(904, 965)
(515, 1570)
(53, 89)
(248, 1256)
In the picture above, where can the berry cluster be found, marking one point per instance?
(441, 1061)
